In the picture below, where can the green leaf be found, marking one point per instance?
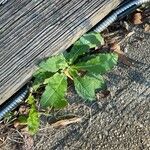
(40, 76)
(87, 41)
(77, 50)
(86, 85)
(92, 39)
(22, 119)
(33, 121)
(54, 63)
(54, 95)
(100, 64)
(31, 100)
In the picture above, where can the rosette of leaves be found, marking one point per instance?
(85, 70)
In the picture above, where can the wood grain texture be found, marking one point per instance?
(31, 30)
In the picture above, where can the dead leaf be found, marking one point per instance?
(23, 110)
(19, 125)
(130, 34)
(65, 122)
(137, 18)
(117, 49)
(103, 94)
(147, 27)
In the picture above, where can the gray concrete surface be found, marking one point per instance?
(118, 122)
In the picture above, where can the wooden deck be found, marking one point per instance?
(31, 30)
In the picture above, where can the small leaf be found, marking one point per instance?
(55, 92)
(54, 63)
(100, 64)
(22, 119)
(86, 85)
(40, 76)
(31, 100)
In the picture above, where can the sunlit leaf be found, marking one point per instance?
(33, 121)
(54, 63)
(82, 46)
(86, 85)
(54, 94)
(100, 64)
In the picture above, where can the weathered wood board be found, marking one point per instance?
(31, 30)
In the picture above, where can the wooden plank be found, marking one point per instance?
(31, 30)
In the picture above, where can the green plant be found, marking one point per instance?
(31, 120)
(79, 65)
